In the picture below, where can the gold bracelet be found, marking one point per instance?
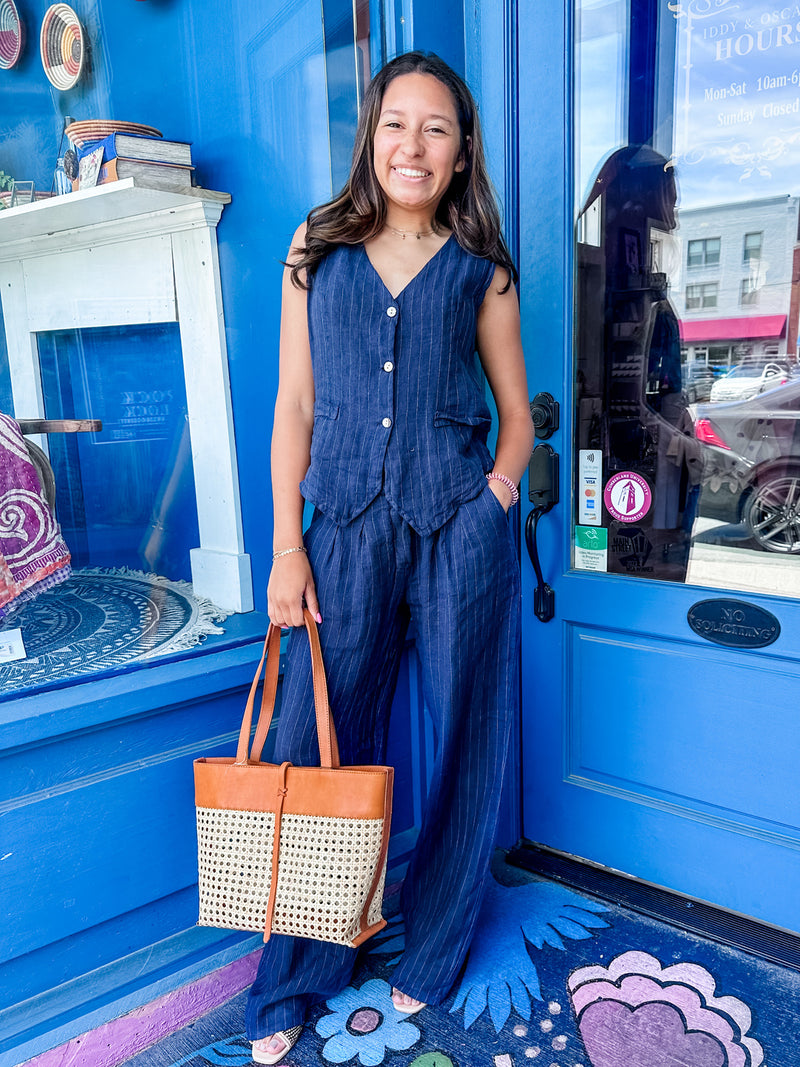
(287, 551)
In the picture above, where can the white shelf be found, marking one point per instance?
(112, 205)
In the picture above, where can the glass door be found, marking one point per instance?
(687, 257)
(659, 304)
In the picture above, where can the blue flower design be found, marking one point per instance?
(364, 1023)
(499, 971)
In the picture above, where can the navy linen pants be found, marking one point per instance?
(460, 586)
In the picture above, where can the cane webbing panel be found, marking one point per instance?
(326, 868)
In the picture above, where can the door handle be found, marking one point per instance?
(543, 494)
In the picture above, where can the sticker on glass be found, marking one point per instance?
(590, 474)
(627, 496)
(591, 548)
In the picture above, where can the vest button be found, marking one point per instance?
(387, 423)
(391, 312)
(388, 366)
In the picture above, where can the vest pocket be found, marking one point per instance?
(447, 418)
(324, 409)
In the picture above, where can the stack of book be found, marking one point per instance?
(151, 161)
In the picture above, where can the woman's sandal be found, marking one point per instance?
(407, 1009)
(288, 1037)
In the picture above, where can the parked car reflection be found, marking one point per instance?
(752, 447)
(749, 379)
(697, 381)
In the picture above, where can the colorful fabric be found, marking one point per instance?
(33, 556)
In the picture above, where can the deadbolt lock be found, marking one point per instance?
(544, 412)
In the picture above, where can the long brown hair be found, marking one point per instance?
(358, 213)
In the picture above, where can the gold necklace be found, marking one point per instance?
(419, 234)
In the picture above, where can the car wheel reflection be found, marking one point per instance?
(772, 512)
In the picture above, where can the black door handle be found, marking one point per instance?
(543, 494)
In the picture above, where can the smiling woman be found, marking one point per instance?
(417, 148)
(417, 151)
(381, 423)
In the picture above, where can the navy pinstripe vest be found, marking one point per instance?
(399, 391)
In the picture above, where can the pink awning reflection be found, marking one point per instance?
(739, 329)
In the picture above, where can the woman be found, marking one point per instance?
(381, 423)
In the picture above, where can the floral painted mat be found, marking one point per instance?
(555, 979)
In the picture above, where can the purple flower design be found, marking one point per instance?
(641, 1014)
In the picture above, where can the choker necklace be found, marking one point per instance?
(419, 234)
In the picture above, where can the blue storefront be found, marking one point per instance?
(643, 746)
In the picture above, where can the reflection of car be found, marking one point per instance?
(697, 380)
(754, 445)
(749, 379)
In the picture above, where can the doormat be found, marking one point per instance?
(553, 978)
(102, 620)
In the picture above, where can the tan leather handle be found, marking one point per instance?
(247, 718)
(326, 731)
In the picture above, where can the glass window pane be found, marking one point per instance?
(710, 295)
(687, 379)
(752, 246)
(694, 257)
(125, 496)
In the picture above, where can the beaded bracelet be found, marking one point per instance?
(507, 483)
(287, 551)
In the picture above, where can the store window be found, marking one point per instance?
(127, 510)
(686, 373)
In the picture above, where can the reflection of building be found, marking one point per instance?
(732, 283)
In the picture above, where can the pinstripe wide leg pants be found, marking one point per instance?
(460, 585)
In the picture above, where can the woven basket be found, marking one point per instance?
(292, 850)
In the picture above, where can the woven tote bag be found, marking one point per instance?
(292, 850)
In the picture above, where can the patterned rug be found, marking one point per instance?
(101, 620)
(554, 978)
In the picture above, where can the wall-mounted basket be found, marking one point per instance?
(62, 46)
(11, 34)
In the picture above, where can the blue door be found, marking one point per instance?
(658, 227)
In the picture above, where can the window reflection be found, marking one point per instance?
(688, 292)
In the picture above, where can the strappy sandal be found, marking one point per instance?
(288, 1037)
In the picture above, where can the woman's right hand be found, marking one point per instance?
(290, 584)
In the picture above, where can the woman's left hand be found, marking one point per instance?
(502, 492)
